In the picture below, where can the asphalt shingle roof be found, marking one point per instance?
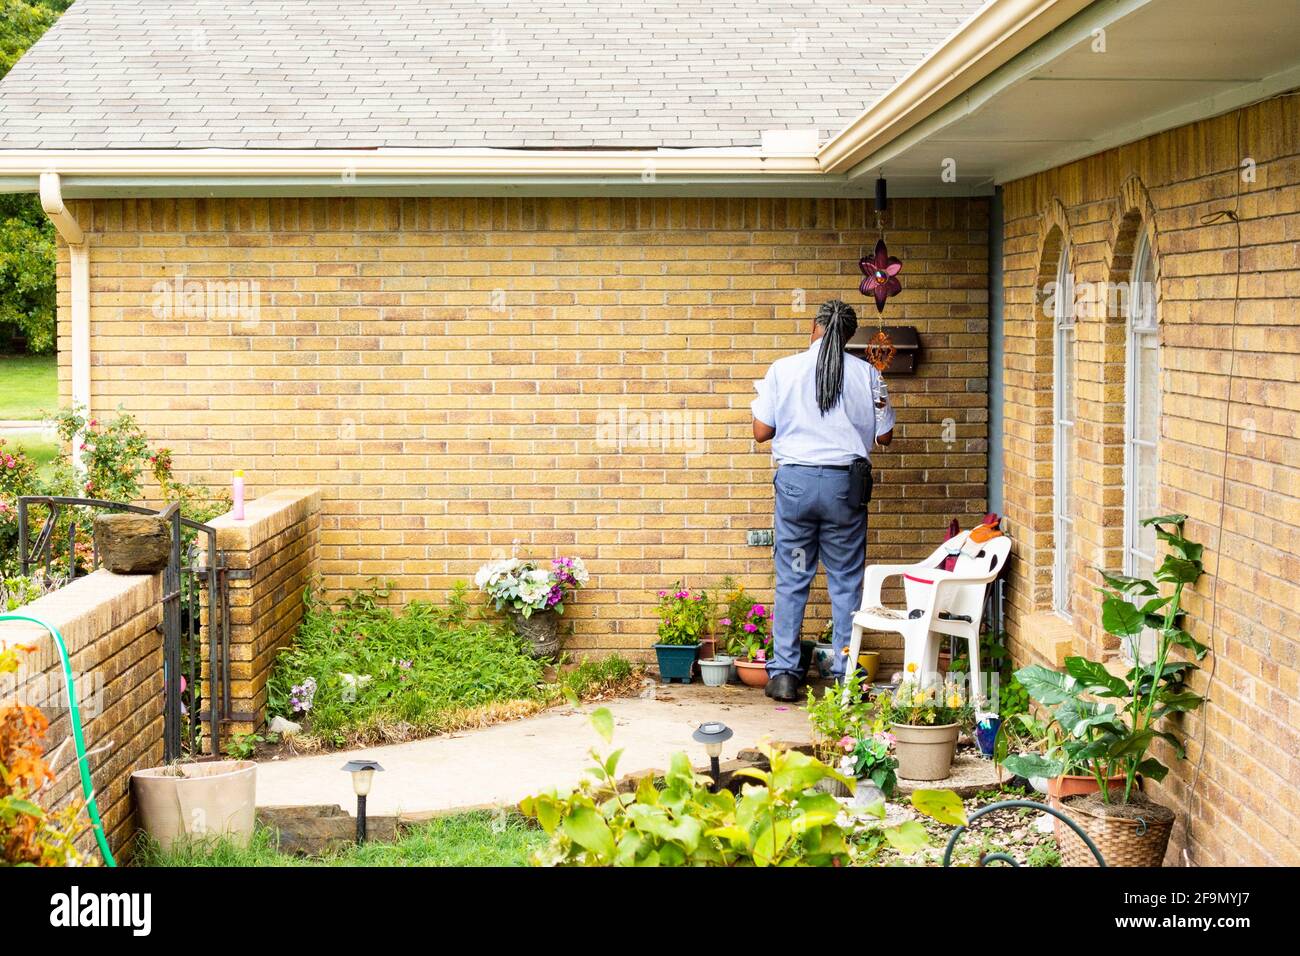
(565, 74)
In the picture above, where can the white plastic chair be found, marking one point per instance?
(931, 590)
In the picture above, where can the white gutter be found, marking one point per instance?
(997, 32)
(79, 268)
(403, 162)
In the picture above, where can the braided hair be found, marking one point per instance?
(840, 322)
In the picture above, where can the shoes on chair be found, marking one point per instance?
(783, 687)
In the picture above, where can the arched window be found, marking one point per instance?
(1141, 414)
(1063, 410)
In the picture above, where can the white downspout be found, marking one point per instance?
(79, 267)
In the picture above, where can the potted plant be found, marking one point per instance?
(533, 595)
(873, 765)
(1112, 720)
(683, 621)
(756, 645)
(849, 733)
(926, 723)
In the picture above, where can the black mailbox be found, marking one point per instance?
(904, 339)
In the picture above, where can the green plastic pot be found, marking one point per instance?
(676, 662)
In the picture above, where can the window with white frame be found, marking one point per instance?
(1062, 432)
(1141, 423)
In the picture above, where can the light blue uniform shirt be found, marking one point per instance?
(787, 400)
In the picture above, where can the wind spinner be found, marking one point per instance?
(880, 281)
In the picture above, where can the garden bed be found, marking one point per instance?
(361, 673)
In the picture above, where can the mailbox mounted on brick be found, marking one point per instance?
(905, 338)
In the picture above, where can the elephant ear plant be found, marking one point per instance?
(1110, 722)
(779, 818)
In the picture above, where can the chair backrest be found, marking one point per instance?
(969, 599)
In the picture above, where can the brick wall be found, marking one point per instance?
(272, 554)
(451, 374)
(1246, 809)
(108, 622)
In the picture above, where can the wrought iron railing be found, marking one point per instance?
(185, 582)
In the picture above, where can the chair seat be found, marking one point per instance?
(887, 614)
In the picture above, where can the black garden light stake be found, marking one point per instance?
(712, 734)
(363, 775)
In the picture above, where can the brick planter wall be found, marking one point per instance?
(109, 623)
(272, 554)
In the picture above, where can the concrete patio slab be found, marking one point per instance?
(501, 765)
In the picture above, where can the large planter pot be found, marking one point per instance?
(541, 631)
(676, 662)
(924, 752)
(752, 673)
(196, 800)
(1138, 837)
(715, 672)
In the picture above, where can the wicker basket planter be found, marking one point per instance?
(542, 631)
(1138, 838)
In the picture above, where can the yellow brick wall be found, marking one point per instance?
(1245, 809)
(108, 622)
(439, 369)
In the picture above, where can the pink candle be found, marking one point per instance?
(237, 511)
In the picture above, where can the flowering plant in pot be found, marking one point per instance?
(1111, 720)
(926, 723)
(754, 645)
(870, 761)
(533, 594)
(683, 620)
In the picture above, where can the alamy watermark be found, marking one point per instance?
(181, 298)
(653, 429)
(1096, 300)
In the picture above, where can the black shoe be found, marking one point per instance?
(783, 687)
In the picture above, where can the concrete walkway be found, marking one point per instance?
(501, 765)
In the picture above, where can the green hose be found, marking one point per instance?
(78, 737)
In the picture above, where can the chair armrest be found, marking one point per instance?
(876, 576)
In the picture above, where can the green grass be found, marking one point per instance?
(479, 838)
(29, 386)
(40, 448)
(592, 677)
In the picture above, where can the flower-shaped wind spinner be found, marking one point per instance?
(881, 272)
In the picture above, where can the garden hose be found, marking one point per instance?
(78, 737)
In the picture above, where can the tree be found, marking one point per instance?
(27, 257)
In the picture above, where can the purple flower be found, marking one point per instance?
(725, 622)
(757, 610)
(751, 628)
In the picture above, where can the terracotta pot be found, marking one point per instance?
(1074, 785)
(708, 649)
(197, 800)
(925, 752)
(752, 673)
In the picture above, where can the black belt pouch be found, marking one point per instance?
(860, 482)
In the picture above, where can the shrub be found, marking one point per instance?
(29, 834)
